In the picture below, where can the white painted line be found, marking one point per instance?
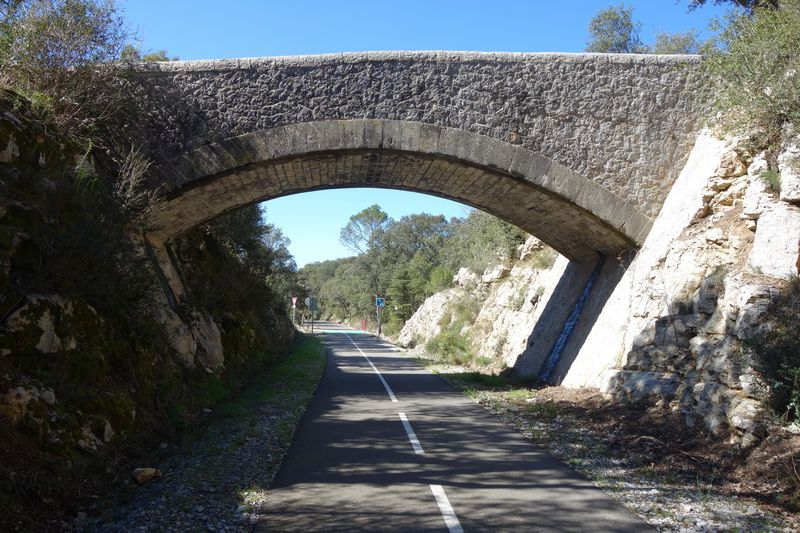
(380, 376)
(448, 514)
(411, 435)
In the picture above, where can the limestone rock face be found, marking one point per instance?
(529, 247)
(179, 336)
(209, 339)
(47, 324)
(698, 290)
(424, 323)
(508, 314)
(676, 327)
(494, 273)
(789, 170)
(466, 279)
(196, 341)
(777, 242)
(756, 197)
(511, 301)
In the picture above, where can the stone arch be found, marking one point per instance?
(574, 215)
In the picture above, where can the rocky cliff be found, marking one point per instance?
(681, 317)
(510, 297)
(94, 352)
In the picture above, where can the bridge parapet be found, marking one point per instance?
(625, 122)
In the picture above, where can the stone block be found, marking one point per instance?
(789, 170)
(747, 415)
(756, 197)
(777, 242)
(210, 352)
(179, 336)
(495, 274)
(638, 385)
(730, 166)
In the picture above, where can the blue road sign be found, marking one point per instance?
(380, 302)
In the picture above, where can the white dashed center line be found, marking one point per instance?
(448, 514)
(380, 376)
(411, 435)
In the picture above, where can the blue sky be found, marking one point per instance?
(205, 29)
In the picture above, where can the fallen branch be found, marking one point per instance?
(695, 458)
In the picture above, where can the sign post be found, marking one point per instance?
(294, 309)
(379, 305)
(311, 303)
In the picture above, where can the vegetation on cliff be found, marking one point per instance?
(90, 348)
(756, 59)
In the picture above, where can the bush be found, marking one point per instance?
(451, 346)
(757, 64)
(772, 179)
(63, 55)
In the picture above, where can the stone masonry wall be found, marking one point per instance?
(626, 122)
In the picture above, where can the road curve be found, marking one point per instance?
(387, 446)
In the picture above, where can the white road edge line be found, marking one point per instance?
(411, 435)
(448, 514)
(380, 376)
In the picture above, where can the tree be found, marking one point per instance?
(49, 36)
(50, 51)
(745, 4)
(757, 61)
(440, 278)
(677, 43)
(131, 54)
(613, 30)
(241, 230)
(479, 241)
(364, 228)
(415, 233)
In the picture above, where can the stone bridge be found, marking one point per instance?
(577, 149)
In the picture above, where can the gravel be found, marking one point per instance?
(221, 472)
(664, 499)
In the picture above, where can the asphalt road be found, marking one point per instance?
(387, 446)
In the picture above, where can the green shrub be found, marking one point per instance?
(772, 179)
(544, 258)
(465, 310)
(50, 50)
(440, 278)
(392, 327)
(757, 64)
(451, 346)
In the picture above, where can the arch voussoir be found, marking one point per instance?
(576, 216)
